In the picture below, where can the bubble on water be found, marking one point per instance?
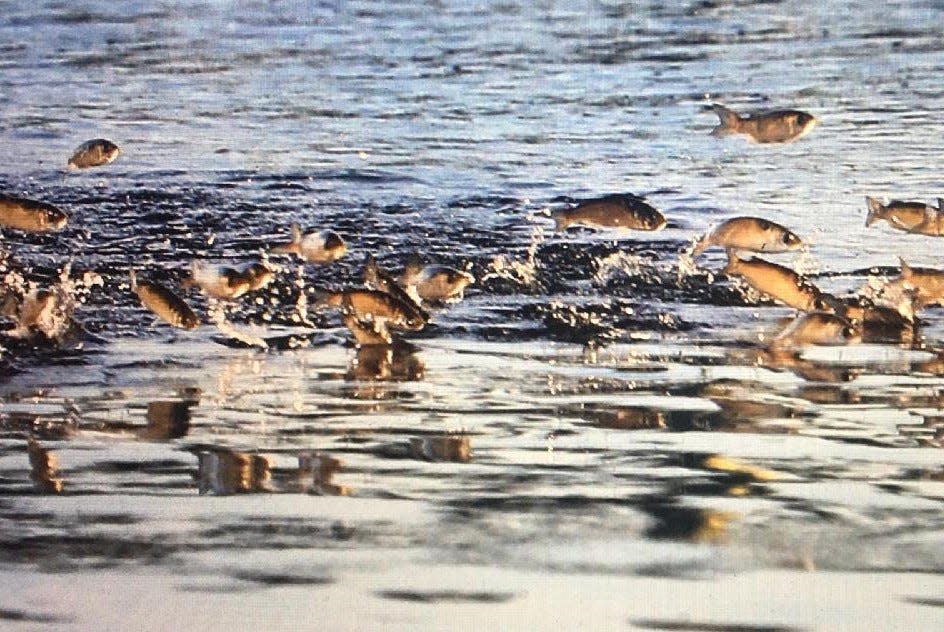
(805, 263)
(617, 263)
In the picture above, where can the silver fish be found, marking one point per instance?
(94, 153)
(779, 126)
(30, 216)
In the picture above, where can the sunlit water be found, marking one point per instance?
(596, 437)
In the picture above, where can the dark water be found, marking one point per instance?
(594, 438)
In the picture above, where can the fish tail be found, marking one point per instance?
(876, 211)
(729, 121)
(560, 221)
(371, 271)
(733, 264)
(323, 298)
(701, 245)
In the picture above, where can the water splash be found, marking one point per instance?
(523, 273)
(216, 313)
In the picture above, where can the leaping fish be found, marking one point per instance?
(167, 305)
(94, 153)
(622, 211)
(778, 126)
(749, 233)
(912, 217)
(30, 216)
(320, 248)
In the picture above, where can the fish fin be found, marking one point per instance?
(134, 280)
(729, 121)
(296, 234)
(905, 268)
(940, 204)
(876, 211)
(731, 267)
(414, 265)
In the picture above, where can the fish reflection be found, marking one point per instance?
(167, 420)
(316, 473)
(777, 358)
(225, 472)
(740, 404)
(929, 433)
(44, 468)
(442, 448)
(675, 522)
(627, 418)
(383, 363)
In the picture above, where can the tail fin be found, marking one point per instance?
(905, 268)
(371, 271)
(729, 121)
(940, 204)
(292, 246)
(876, 211)
(561, 222)
(701, 245)
(134, 280)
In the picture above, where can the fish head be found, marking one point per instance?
(788, 239)
(333, 244)
(53, 219)
(653, 219)
(806, 123)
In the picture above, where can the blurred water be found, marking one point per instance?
(589, 438)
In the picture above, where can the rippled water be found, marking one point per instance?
(594, 438)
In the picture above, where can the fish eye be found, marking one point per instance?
(790, 238)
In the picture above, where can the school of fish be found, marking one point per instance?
(385, 307)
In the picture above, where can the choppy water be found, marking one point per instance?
(591, 439)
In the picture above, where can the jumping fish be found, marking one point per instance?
(167, 305)
(780, 283)
(911, 217)
(779, 126)
(749, 233)
(370, 314)
(30, 216)
(435, 283)
(379, 279)
(320, 248)
(927, 284)
(226, 283)
(94, 153)
(623, 211)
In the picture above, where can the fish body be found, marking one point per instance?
(320, 248)
(370, 314)
(926, 284)
(30, 216)
(620, 211)
(778, 126)
(435, 283)
(94, 153)
(911, 217)
(163, 302)
(226, 283)
(749, 233)
(778, 282)
(818, 328)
